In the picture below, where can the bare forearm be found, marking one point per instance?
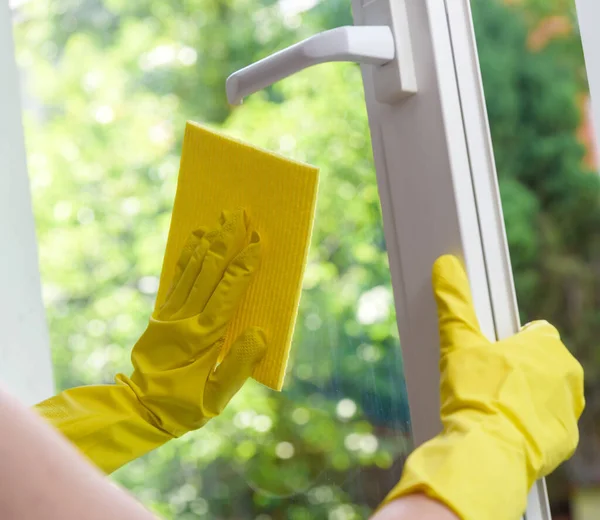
(43, 476)
(414, 507)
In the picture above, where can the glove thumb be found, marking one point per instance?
(235, 369)
(458, 322)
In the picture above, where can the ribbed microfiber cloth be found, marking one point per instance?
(220, 173)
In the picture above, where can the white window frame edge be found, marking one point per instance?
(588, 14)
(435, 166)
(25, 366)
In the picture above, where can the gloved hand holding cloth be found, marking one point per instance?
(176, 385)
(509, 410)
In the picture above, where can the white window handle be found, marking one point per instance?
(383, 44)
(374, 45)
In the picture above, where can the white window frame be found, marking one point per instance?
(435, 167)
(588, 14)
(25, 366)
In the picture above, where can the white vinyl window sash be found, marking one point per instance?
(439, 194)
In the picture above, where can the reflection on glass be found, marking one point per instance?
(539, 109)
(108, 86)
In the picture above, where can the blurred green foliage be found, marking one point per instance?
(109, 86)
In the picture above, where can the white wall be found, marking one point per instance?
(25, 366)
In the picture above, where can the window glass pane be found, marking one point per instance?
(539, 110)
(108, 86)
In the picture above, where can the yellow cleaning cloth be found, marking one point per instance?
(219, 173)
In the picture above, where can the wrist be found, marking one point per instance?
(106, 423)
(417, 506)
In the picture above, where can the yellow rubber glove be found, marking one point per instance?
(509, 410)
(174, 387)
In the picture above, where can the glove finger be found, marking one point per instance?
(543, 327)
(235, 369)
(537, 334)
(186, 254)
(228, 295)
(223, 249)
(192, 242)
(458, 322)
(181, 291)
